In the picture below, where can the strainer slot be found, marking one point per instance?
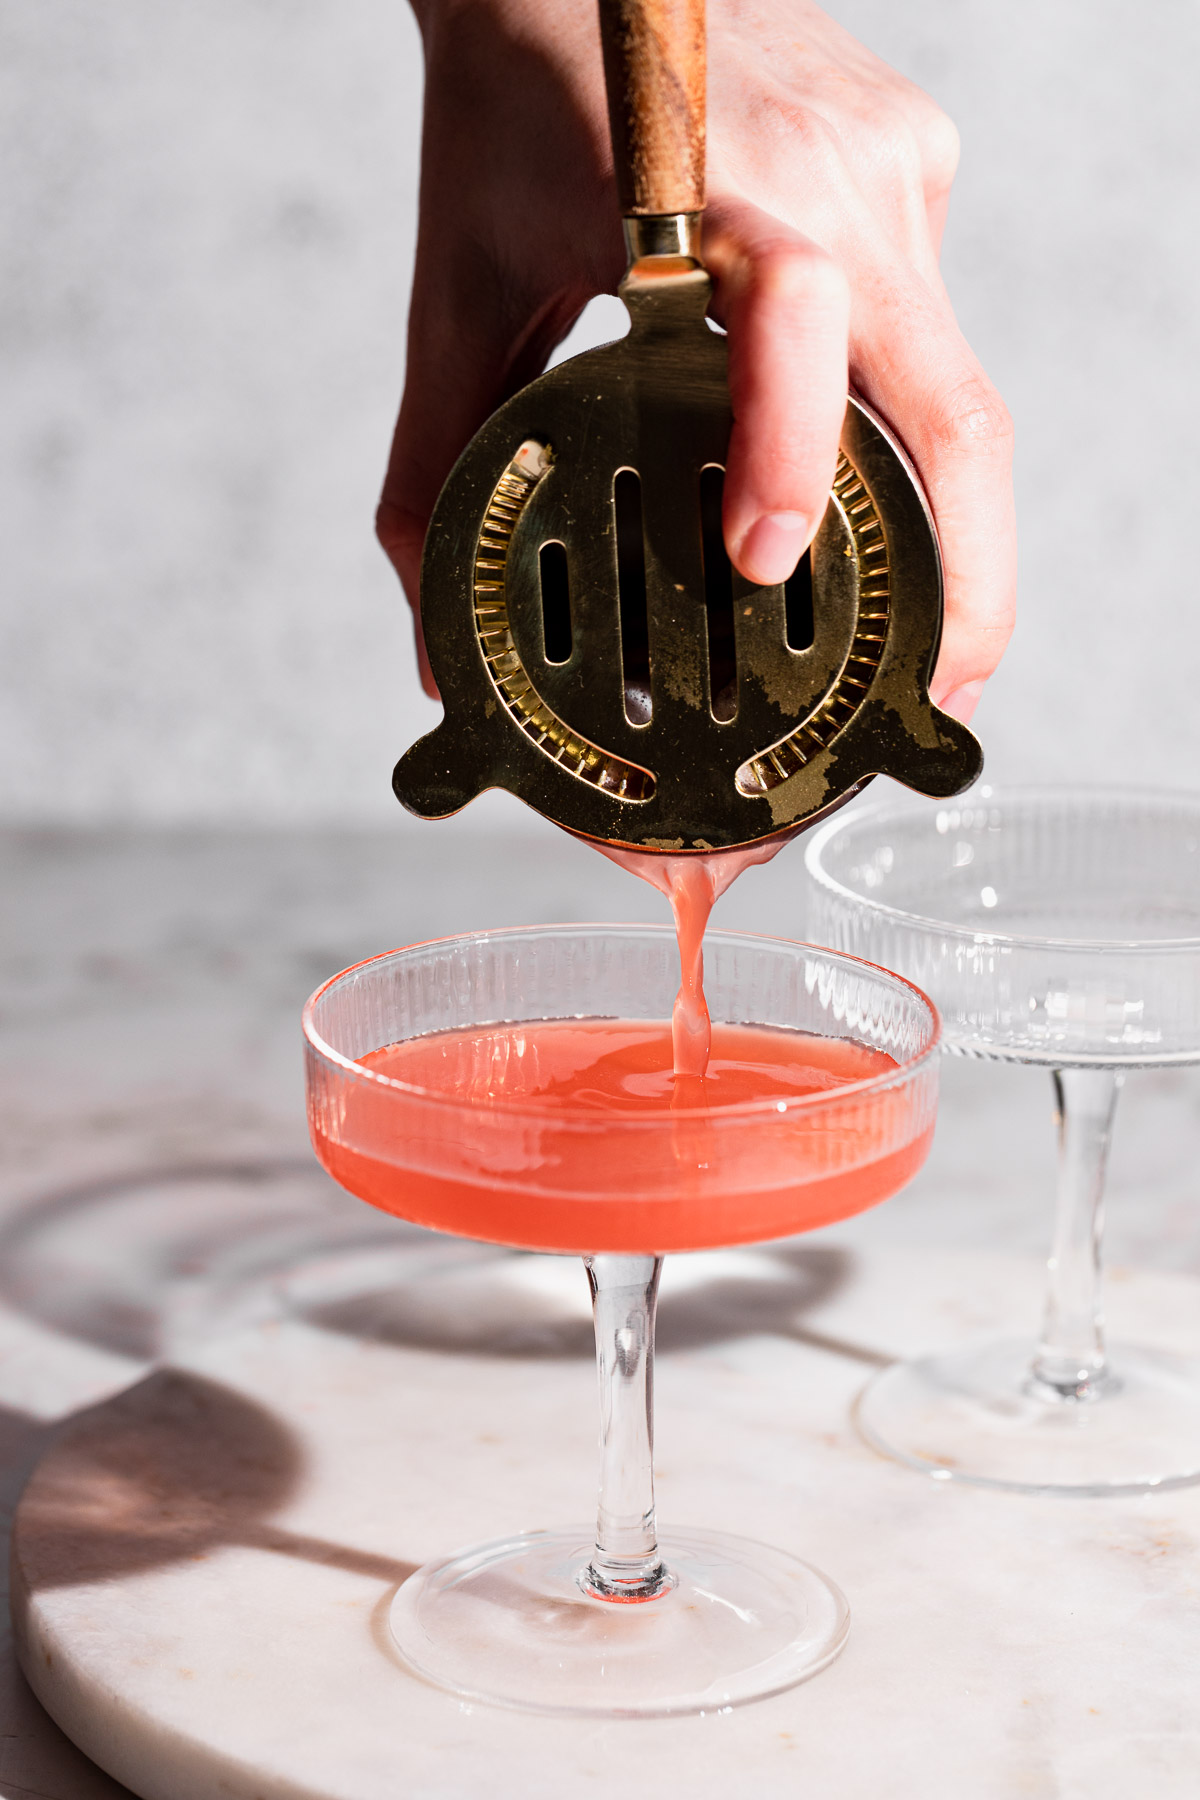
(800, 626)
(631, 589)
(557, 636)
(718, 598)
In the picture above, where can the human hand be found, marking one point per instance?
(828, 181)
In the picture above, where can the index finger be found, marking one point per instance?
(786, 306)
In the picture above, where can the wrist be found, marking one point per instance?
(434, 15)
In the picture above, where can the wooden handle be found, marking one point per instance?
(654, 72)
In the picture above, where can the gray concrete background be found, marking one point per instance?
(209, 213)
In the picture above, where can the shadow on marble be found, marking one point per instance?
(127, 1262)
(36, 1758)
(524, 1306)
(169, 1471)
(21, 1438)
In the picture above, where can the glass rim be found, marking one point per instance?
(926, 923)
(651, 1117)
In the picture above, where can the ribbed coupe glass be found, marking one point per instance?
(612, 1622)
(1060, 927)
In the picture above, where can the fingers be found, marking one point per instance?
(786, 307)
(463, 359)
(912, 364)
(936, 143)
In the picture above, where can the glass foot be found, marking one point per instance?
(508, 1622)
(976, 1415)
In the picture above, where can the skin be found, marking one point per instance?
(829, 178)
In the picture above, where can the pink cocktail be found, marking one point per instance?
(517, 1086)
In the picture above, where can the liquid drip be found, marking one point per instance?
(693, 885)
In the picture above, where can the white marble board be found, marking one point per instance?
(203, 1564)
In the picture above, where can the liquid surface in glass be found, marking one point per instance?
(623, 1065)
(576, 1174)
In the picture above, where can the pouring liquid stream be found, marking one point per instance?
(692, 885)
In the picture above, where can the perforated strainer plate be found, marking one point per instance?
(597, 655)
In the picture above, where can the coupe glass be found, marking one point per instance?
(1059, 927)
(615, 1623)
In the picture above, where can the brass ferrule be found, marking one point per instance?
(663, 234)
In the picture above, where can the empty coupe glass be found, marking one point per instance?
(1059, 927)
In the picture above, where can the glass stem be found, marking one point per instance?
(625, 1564)
(1070, 1359)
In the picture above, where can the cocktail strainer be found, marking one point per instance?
(596, 653)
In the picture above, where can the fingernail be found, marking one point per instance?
(773, 546)
(961, 702)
